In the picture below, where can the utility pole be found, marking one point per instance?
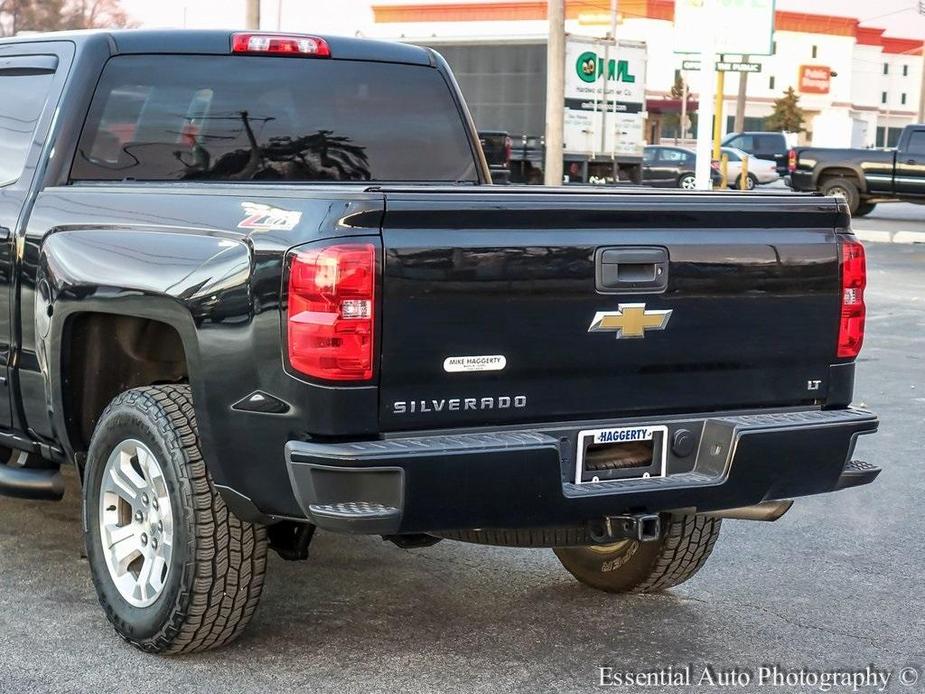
(922, 88)
(889, 97)
(612, 124)
(922, 92)
(252, 14)
(718, 112)
(707, 92)
(740, 99)
(555, 92)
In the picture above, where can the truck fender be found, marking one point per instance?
(840, 169)
(188, 282)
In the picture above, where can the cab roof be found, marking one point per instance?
(212, 42)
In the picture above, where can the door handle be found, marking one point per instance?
(911, 162)
(631, 269)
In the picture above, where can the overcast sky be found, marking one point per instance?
(899, 17)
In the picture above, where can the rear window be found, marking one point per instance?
(731, 155)
(675, 155)
(242, 118)
(772, 143)
(22, 98)
(916, 142)
(743, 142)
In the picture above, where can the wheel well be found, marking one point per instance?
(827, 175)
(107, 354)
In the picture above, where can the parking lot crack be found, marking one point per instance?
(744, 606)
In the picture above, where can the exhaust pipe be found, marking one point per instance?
(765, 511)
(26, 483)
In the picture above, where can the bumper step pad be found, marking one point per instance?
(354, 509)
(856, 473)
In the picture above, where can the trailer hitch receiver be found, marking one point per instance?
(644, 527)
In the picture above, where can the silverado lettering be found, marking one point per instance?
(458, 404)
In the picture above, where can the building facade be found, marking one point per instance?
(857, 86)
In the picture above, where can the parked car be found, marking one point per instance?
(497, 146)
(865, 177)
(760, 171)
(281, 296)
(775, 146)
(671, 167)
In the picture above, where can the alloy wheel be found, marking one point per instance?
(136, 523)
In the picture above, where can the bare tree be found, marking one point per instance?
(94, 14)
(17, 16)
(29, 15)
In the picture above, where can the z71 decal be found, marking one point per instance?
(265, 218)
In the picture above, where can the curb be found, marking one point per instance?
(890, 236)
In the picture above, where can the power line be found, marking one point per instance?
(921, 8)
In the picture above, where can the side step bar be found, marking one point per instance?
(25, 483)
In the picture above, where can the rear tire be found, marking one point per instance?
(864, 208)
(687, 181)
(750, 184)
(845, 187)
(633, 567)
(173, 569)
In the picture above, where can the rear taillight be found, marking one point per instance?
(508, 149)
(295, 45)
(853, 311)
(330, 317)
(792, 160)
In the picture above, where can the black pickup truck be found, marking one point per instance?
(496, 146)
(257, 284)
(865, 177)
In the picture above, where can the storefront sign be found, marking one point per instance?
(723, 66)
(815, 79)
(605, 87)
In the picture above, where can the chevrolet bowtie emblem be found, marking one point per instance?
(632, 320)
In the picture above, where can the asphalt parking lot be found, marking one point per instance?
(894, 215)
(835, 584)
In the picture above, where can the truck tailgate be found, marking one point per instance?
(530, 285)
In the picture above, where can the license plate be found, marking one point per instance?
(621, 437)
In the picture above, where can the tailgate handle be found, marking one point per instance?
(629, 269)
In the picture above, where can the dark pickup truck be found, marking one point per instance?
(865, 177)
(258, 284)
(496, 146)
